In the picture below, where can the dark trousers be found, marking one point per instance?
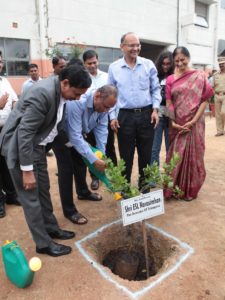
(80, 172)
(163, 127)
(70, 165)
(37, 203)
(65, 176)
(110, 147)
(6, 184)
(135, 130)
(90, 138)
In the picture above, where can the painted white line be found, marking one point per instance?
(107, 275)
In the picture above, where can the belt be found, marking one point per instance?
(220, 93)
(137, 110)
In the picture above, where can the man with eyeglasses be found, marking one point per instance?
(138, 103)
(7, 98)
(99, 78)
(89, 114)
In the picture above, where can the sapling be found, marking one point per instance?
(153, 177)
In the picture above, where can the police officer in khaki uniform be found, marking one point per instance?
(219, 89)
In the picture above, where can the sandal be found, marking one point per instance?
(91, 197)
(188, 199)
(78, 218)
(218, 134)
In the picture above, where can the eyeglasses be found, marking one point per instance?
(133, 45)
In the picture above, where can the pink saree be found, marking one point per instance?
(187, 93)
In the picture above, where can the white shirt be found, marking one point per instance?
(52, 134)
(6, 88)
(28, 83)
(98, 80)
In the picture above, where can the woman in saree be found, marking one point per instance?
(187, 93)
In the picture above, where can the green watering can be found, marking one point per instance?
(91, 167)
(16, 265)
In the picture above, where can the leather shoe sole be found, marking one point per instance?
(54, 250)
(62, 234)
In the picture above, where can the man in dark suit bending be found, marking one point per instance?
(32, 126)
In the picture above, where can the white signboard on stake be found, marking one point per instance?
(142, 207)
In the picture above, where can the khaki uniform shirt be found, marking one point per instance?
(219, 83)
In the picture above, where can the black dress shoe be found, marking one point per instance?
(94, 184)
(54, 250)
(2, 210)
(12, 200)
(62, 234)
(90, 196)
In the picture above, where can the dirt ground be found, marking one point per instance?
(199, 223)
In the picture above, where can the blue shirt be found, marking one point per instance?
(137, 87)
(80, 119)
(28, 84)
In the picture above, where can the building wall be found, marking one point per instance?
(103, 22)
(221, 21)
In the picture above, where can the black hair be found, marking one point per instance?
(159, 62)
(0, 53)
(31, 66)
(183, 50)
(77, 76)
(74, 61)
(123, 37)
(56, 59)
(89, 54)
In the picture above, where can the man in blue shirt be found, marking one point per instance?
(138, 103)
(89, 114)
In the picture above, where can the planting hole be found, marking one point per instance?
(121, 249)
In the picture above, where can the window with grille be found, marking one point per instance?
(105, 55)
(16, 56)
